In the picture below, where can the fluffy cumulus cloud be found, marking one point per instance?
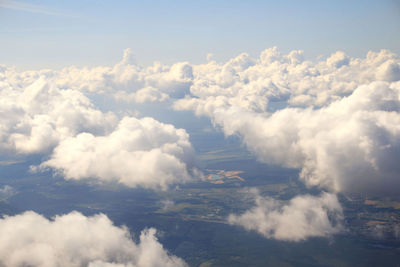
(303, 217)
(274, 79)
(124, 81)
(73, 239)
(336, 120)
(347, 136)
(40, 115)
(351, 144)
(139, 152)
(35, 118)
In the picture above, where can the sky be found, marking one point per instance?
(55, 34)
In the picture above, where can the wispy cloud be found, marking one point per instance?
(32, 8)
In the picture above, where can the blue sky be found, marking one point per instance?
(53, 34)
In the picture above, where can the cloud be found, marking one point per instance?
(274, 79)
(302, 217)
(334, 120)
(350, 145)
(85, 143)
(167, 204)
(124, 81)
(35, 118)
(76, 240)
(31, 8)
(139, 152)
(338, 60)
(6, 191)
(389, 71)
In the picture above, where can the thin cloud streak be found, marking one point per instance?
(31, 8)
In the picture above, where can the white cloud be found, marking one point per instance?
(139, 152)
(302, 217)
(338, 60)
(289, 79)
(271, 77)
(335, 120)
(332, 120)
(35, 118)
(76, 240)
(389, 71)
(86, 143)
(349, 145)
(124, 81)
(41, 114)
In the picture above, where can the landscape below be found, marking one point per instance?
(192, 218)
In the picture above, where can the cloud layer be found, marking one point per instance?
(318, 117)
(124, 81)
(303, 217)
(35, 118)
(39, 114)
(352, 144)
(274, 78)
(336, 120)
(76, 240)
